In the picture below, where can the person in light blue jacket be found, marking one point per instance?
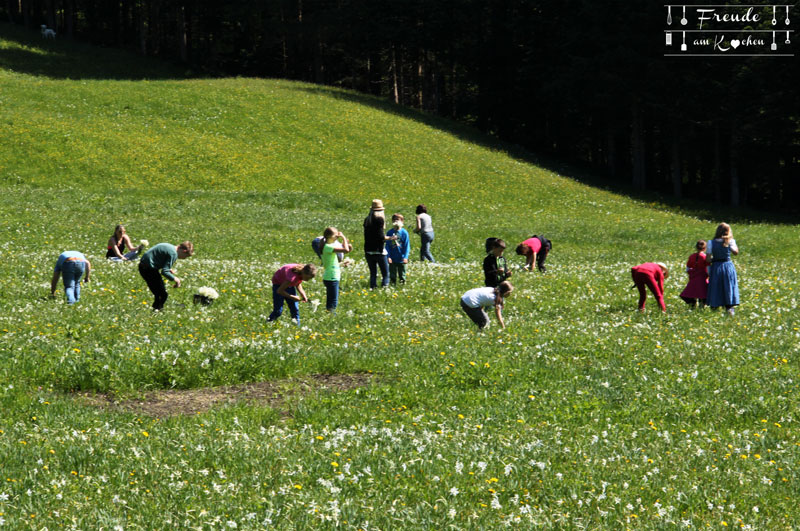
(398, 247)
(72, 265)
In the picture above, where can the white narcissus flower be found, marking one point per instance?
(209, 293)
(144, 243)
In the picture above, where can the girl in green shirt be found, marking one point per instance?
(330, 261)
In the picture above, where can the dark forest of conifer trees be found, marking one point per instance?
(579, 80)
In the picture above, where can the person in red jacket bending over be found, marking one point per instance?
(652, 275)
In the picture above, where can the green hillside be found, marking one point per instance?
(581, 413)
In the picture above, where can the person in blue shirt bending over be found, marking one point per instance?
(71, 265)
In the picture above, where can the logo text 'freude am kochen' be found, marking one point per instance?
(753, 30)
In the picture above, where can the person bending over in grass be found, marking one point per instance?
(117, 244)
(652, 275)
(495, 268)
(158, 262)
(330, 259)
(286, 287)
(70, 264)
(475, 300)
(535, 250)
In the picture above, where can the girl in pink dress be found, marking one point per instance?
(697, 288)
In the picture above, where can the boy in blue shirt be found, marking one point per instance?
(398, 248)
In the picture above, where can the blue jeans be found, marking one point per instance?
(397, 269)
(72, 271)
(332, 294)
(277, 303)
(425, 246)
(131, 256)
(373, 261)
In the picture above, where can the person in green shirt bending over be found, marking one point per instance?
(158, 261)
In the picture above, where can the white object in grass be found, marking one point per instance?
(209, 293)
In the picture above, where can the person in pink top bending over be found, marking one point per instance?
(286, 288)
(535, 250)
(652, 275)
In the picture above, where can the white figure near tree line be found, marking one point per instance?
(48, 33)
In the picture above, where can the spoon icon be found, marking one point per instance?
(683, 20)
(787, 15)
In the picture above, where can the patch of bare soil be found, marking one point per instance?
(170, 402)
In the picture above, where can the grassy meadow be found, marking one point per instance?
(582, 413)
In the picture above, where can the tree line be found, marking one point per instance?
(583, 80)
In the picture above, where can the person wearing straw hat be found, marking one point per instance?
(652, 275)
(374, 240)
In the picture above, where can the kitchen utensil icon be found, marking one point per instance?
(774, 20)
(683, 46)
(669, 39)
(669, 15)
(787, 38)
(774, 46)
(787, 15)
(683, 20)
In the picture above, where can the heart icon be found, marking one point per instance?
(735, 43)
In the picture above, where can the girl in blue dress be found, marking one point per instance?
(723, 286)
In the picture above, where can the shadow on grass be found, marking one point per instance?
(704, 209)
(24, 51)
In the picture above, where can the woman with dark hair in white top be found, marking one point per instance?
(425, 230)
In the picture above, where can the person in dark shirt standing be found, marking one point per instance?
(495, 268)
(374, 240)
(158, 262)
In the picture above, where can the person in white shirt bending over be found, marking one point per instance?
(475, 300)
